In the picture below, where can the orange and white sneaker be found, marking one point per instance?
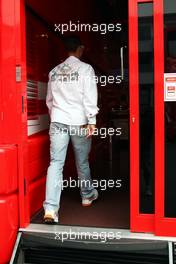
(88, 201)
(50, 217)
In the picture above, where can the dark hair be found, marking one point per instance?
(72, 43)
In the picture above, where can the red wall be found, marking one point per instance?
(12, 124)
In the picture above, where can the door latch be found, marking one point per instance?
(133, 119)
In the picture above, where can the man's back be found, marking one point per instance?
(72, 91)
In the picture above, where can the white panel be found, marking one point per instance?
(35, 126)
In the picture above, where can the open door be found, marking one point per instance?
(13, 201)
(20, 58)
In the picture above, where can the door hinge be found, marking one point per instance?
(18, 73)
(22, 104)
(24, 186)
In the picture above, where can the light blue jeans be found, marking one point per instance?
(60, 135)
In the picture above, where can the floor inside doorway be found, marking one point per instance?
(110, 210)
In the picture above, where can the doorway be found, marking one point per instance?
(107, 52)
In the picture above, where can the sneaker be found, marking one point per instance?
(50, 217)
(88, 201)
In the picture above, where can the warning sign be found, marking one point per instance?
(169, 87)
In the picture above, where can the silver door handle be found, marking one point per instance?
(122, 63)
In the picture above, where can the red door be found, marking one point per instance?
(146, 83)
(13, 200)
(152, 25)
(165, 220)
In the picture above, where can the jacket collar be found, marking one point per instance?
(72, 58)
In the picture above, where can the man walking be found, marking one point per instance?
(72, 103)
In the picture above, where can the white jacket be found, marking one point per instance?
(72, 93)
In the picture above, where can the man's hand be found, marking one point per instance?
(90, 130)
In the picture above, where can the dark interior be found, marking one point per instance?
(109, 157)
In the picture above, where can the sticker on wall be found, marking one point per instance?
(169, 87)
